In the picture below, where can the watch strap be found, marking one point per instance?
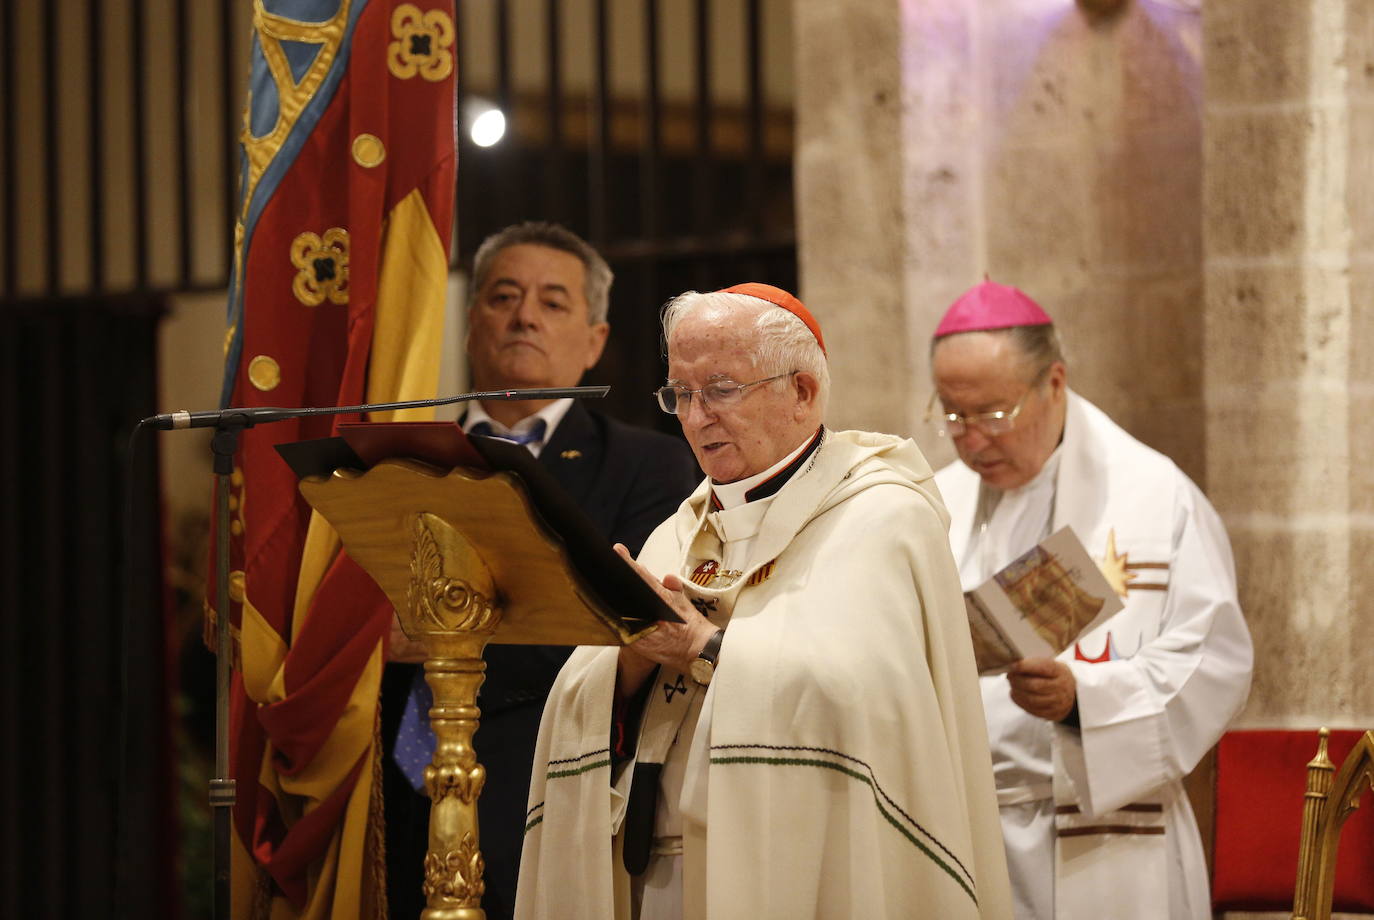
(711, 650)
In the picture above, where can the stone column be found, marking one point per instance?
(852, 228)
(1289, 383)
(939, 140)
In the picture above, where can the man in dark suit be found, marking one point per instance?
(536, 318)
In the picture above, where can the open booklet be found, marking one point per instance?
(1038, 604)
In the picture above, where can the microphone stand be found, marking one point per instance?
(228, 424)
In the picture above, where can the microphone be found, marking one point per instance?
(238, 418)
(247, 417)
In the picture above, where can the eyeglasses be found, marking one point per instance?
(720, 394)
(954, 425)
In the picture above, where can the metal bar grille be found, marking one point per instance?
(52, 142)
(11, 141)
(648, 127)
(96, 122)
(230, 119)
(140, 144)
(601, 127)
(653, 140)
(555, 194)
(703, 181)
(701, 174)
(754, 119)
(461, 187)
(183, 138)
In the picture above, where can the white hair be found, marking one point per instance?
(784, 343)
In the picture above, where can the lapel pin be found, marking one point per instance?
(571, 454)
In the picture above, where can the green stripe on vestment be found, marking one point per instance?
(866, 780)
(577, 769)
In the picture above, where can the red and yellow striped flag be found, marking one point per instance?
(337, 298)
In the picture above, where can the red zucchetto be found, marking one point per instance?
(781, 298)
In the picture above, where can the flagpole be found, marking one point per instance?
(222, 791)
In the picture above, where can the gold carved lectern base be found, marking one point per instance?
(465, 561)
(451, 607)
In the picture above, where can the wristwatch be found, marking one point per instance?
(704, 665)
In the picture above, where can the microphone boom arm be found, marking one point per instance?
(247, 417)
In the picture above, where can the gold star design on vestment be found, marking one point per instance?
(1113, 566)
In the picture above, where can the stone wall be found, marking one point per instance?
(940, 140)
(1289, 244)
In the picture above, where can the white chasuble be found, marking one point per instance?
(837, 766)
(1095, 818)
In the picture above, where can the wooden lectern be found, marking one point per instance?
(466, 559)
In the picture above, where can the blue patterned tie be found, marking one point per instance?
(534, 435)
(415, 741)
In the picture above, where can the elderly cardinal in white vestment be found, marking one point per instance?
(1090, 748)
(809, 741)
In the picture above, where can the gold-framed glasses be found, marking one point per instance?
(716, 395)
(991, 424)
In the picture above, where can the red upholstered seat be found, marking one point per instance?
(1261, 780)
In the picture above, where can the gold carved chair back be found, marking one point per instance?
(1332, 796)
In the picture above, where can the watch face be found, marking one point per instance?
(702, 670)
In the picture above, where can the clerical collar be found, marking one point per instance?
(552, 415)
(767, 483)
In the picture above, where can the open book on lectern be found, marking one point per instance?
(444, 446)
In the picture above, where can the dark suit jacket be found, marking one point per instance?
(627, 480)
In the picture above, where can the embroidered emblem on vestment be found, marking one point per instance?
(1121, 573)
(323, 264)
(670, 689)
(710, 575)
(1108, 652)
(704, 607)
(705, 572)
(1113, 566)
(422, 43)
(762, 574)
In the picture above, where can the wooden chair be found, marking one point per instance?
(1258, 824)
(1329, 802)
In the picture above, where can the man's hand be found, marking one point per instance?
(1043, 687)
(671, 644)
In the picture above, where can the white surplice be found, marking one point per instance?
(1096, 820)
